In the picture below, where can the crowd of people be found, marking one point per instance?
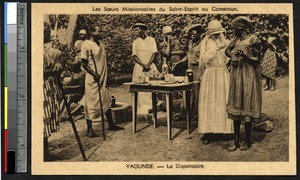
(225, 55)
(117, 32)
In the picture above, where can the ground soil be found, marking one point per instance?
(150, 144)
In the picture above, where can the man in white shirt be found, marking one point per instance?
(144, 52)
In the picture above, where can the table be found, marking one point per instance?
(168, 89)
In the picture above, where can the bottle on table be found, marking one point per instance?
(165, 68)
(113, 101)
(189, 75)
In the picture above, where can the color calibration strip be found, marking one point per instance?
(15, 135)
(10, 89)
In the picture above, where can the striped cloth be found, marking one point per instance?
(245, 94)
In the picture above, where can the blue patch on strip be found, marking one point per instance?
(5, 22)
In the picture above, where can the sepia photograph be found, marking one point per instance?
(164, 91)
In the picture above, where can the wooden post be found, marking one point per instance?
(188, 109)
(169, 102)
(154, 108)
(70, 117)
(46, 148)
(134, 110)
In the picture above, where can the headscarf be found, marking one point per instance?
(203, 45)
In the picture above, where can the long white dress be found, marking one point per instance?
(143, 49)
(214, 90)
(91, 93)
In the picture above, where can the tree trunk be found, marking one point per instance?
(70, 30)
(56, 26)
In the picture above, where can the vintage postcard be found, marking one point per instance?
(163, 89)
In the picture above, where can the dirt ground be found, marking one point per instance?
(150, 144)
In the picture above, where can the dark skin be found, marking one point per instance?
(253, 60)
(168, 51)
(241, 34)
(195, 38)
(146, 67)
(95, 37)
(81, 37)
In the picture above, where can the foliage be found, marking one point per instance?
(118, 36)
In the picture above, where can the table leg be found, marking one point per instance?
(188, 109)
(169, 103)
(184, 99)
(134, 110)
(154, 108)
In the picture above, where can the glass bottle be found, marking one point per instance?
(165, 68)
(113, 101)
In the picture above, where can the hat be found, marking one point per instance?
(140, 25)
(196, 27)
(271, 39)
(215, 27)
(82, 31)
(167, 30)
(241, 22)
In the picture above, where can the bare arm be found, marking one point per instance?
(254, 60)
(185, 59)
(136, 59)
(89, 70)
(153, 57)
(167, 52)
(229, 49)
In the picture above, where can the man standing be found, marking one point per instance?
(93, 56)
(192, 58)
(144, 52)
(170, 49)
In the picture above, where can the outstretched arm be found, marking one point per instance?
(185, 59)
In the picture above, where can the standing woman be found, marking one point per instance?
(269, 64)
(214, 86)
(245, 94)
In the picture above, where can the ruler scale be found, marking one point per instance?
(21, 156)
(15, 121)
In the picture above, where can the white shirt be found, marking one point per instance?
(144, 48)
(88, 47)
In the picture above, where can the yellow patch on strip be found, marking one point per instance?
(5, 107)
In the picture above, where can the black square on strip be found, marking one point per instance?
(11, 162)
